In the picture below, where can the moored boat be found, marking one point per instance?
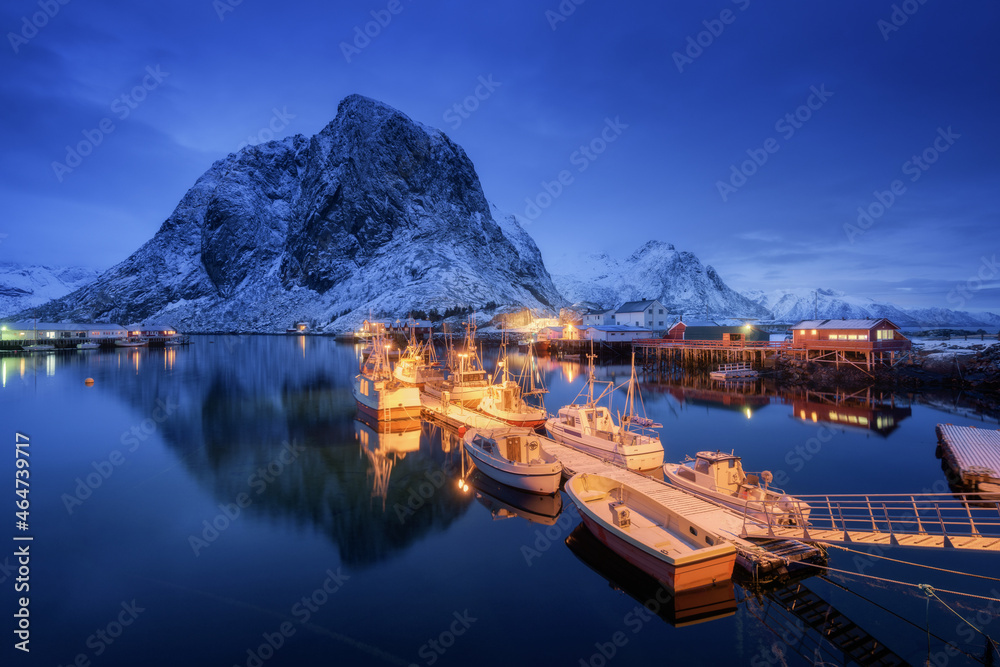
(515, 457)
(418, 365)
(504, 398)
(466, 382)
(131, 341)
(378, 394)
(87, 346)
(590, 428)
(655, 538)
(38, 347)
(719, 477)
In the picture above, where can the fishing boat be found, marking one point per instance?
(131, 341)
(590, 427)
(87, 346)
(515, 457)
(466, 382)
(378, 394)
(679, 609)
(655, 538)
(719, 477)
(418, 365)
(504, 398)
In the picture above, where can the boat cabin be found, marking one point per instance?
(591, 421)
(719, 471)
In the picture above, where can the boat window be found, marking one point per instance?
(570, 421)
(732, 462)
(701, 465)
(694, 531)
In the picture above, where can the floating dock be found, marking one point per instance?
(739, 370)
(973, 453)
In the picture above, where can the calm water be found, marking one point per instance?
(220, 505)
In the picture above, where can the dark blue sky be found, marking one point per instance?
(182, 84)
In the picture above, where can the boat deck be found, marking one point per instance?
(973, 453)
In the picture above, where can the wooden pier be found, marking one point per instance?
(739, 370)
(973, 453)
(456, 415)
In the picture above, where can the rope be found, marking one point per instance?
(904, 562)
(930, 592)
(902, 618)
(894, 581)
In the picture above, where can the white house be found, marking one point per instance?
(52, 331)
(649, 314)
(615, 333)
(599, 318)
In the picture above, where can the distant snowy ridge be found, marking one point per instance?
(656, 270)
(24, 286)
(375, 213)
(793, 305)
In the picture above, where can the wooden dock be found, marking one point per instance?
(973, 453)
(739, 370)
(455, 415)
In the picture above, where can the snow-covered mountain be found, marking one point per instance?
(792, 305)
(25, 286)
(375, 213)
(655, 271)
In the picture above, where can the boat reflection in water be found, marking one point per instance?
(676, 608)
(385, 443)
(505, 502)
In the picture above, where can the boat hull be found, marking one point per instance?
(645, 456)
(386, 404)
(666, 545)
(687, 577)
(468, 396)
(542, 479)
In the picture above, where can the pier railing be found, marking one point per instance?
(969, 521)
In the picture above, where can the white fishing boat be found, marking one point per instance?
(655, 538)
(466, 382)
(590, 427)
(418, 365)
(378, 394)
(719, 477)
(515, 457)
(131, 341)
(87, 346)
(504, 398)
